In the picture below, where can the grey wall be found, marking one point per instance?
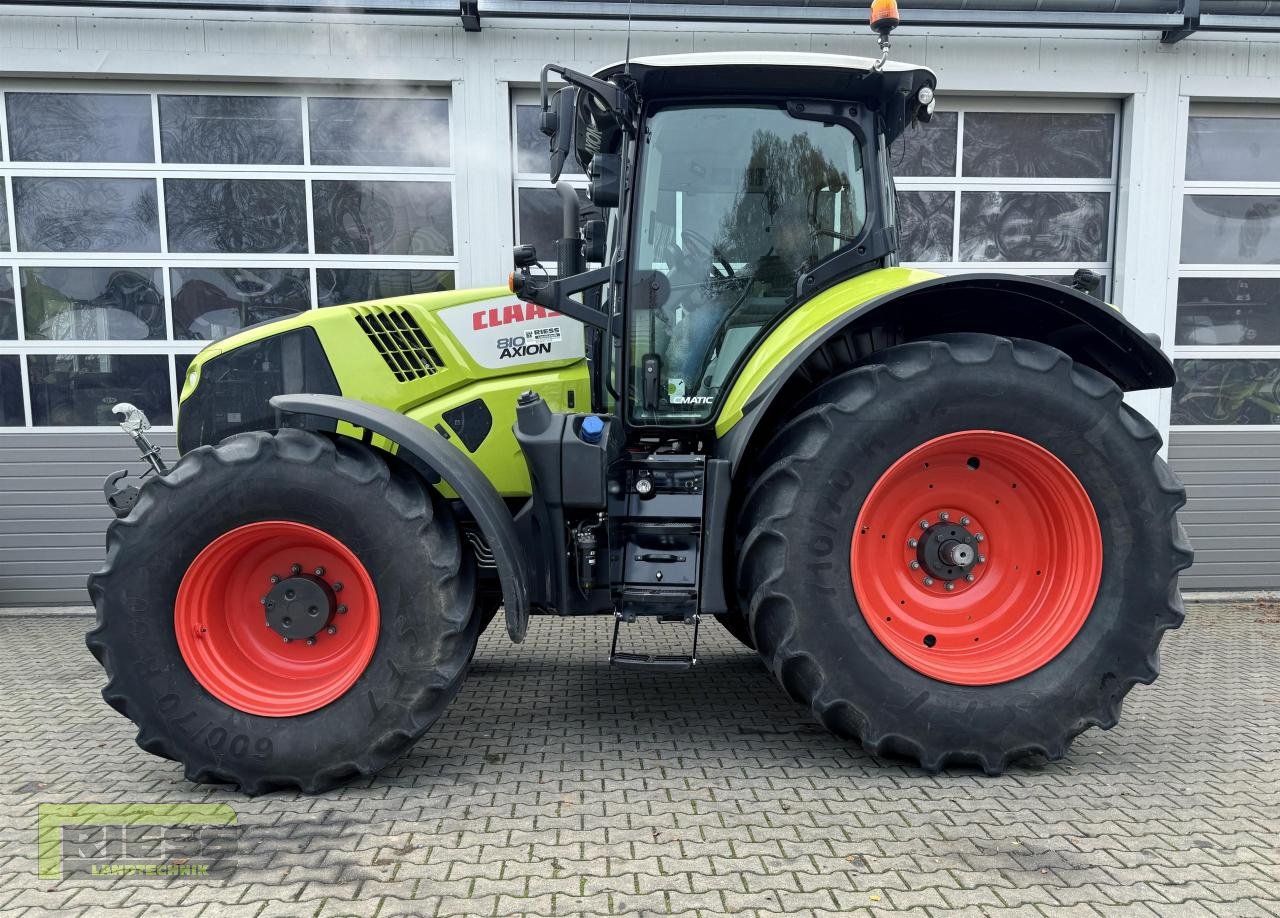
(52, 515)
(1233, 506)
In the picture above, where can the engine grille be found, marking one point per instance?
(402, 343)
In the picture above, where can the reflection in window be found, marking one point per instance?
(1065, 226)
(926, 149)
(926, 222)
(79, 389)
(1230, 229)
(1233, 149)
(379, 132)
(235, 215)
(11, 414)
(1038, 144)
(79, 127)
(212, 303)
(181, 363)
(8, 307)
(538, 220)
(4, 219)
(383, 218)
(231, 129)
(1215, 311)
(336, 286)
(1226, 392)
(533, 152)
(92, 304)
(86, 215)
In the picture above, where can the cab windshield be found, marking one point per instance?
(735, 203)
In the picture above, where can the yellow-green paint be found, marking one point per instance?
(362, 374)
(809, 318)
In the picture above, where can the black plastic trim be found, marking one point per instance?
(459, 472)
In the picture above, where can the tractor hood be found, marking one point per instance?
(893, 90)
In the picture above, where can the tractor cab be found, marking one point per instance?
(736, 186)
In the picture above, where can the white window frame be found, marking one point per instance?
(13, 260)
(958, 183)
(1263, 109)
(538, 180)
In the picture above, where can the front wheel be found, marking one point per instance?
(284, 611)
(965, 550)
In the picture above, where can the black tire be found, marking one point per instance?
(818, 469)
(736, 624)
(403, 535)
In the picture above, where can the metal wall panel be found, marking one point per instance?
(1233, 506)
(53, 519)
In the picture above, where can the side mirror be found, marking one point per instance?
(605, 173)
(556, 122)
(595, 236)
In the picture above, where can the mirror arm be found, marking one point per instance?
(557, 294)
(614, 97)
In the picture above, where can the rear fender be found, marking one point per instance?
(459, 472)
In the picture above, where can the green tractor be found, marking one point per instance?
(921, 499)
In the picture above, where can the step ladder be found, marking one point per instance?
(654, 662)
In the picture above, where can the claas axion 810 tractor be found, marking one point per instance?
(921, 499)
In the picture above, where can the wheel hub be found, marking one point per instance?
(947, 551)
(300, 607)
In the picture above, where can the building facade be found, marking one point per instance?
(169, 175)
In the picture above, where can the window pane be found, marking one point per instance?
(335, 286)
(1226, 392)
(79, 389)
(1233, 150)
(1034, 226)
(927, 149)
(11, 391)
(1230, 229)
(383, 218)
(379, 132)
(1038, 144)
(92, 304)
(8, 307)
(86, 215)
(211, 303)
(79, 127)
(539, 220)
(181, 362)
(1236, 310)
(4, 219)
(235, 215)
(926, 223)
(532, 146)
(231, 129)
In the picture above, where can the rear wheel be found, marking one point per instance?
(284, 611)
(965, 550)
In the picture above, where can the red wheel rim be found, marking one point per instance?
(228, 642)
(1029, 579)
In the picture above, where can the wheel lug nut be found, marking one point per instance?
(949, 586)
(333, 629)
(286, 640)
(311, 642)
(296, 569)
(263, 600)
(342, 610)
(928, 581)
(319, 571)
(912, 543)
(914, 565)
(982, 559)
(969, 577)
(924, 524)
(965, 521)
(978, 537)
(944, 516)
(275, 578)
(337, 588)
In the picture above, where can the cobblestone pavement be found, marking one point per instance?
(556, 785)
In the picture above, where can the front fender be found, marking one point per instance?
(459, 472)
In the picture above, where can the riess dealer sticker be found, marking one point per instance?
(504, 332)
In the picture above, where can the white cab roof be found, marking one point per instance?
(766, 59)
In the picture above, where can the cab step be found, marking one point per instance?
(653, 662)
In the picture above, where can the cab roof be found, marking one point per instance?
(891, 90)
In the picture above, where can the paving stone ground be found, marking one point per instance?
(556, 785)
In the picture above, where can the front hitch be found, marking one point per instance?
(133, 421)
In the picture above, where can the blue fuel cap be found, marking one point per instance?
(591, 429)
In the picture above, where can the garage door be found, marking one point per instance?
(1021, 186)
(1225, 418)
(139, 222)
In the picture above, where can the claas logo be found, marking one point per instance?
(497, 316)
